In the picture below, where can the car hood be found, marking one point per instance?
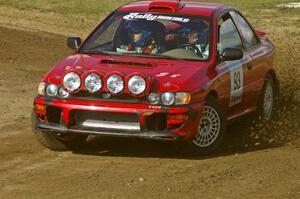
(166, 74)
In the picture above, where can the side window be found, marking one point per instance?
(228, 35)
(247, 34)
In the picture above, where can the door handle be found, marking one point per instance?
(249, 65)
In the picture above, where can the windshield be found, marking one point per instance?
(151, 34)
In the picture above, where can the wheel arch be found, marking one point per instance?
(213, 93)
(272, 74)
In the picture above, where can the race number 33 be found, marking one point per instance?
(237, 83)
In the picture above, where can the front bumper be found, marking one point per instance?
(125, 119)
(165, 135)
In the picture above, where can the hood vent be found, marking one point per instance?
(165, 6)
(112, 62)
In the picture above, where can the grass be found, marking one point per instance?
(92, 11)
(88, 8)
(99, 8)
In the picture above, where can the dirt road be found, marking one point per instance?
(255, 162)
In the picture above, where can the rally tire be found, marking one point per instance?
(266, 106)
(211, 131)
(58, 142)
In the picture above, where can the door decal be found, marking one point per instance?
(237, 84)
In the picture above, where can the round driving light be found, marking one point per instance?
(168, 98)
(62, 93)
(72, 81)
(136, 85)
(115, 84)
(52, 90)
(93, 82)
(153, 98)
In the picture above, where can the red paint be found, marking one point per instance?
(198, 78)
(260, 33)
(165, 6)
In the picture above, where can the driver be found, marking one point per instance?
(196, 36)
(140, 38)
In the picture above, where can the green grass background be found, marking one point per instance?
(99, 8)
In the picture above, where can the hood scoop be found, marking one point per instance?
(126, 63)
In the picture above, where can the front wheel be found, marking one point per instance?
(211, 130)
(56, 141)
(59, 142)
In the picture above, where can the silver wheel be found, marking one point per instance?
(209, 127)
(268, 102)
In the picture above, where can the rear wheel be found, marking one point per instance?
(211, 129)
(267, 101)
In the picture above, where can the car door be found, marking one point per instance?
(254, 50)
(236, 71)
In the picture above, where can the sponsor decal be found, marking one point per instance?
(168, 84)
(151, 17)
(155, 107)
(237, 83)
(162, 74)
(175, 75)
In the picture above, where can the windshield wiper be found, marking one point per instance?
(97, 52)
(168, 57)
(161, 56)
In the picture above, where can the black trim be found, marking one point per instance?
(53, 128)
(123, 98)
(114, 62)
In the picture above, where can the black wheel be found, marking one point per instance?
(211, 130)
(267, 101)
(56, 141)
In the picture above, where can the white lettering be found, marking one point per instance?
(151, 17)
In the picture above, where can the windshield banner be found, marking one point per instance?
(151, 17)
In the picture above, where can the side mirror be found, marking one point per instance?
(74, 42)
(230, 54)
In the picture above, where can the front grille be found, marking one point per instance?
(156, 122)
(77, 117)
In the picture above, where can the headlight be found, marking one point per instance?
(41, 88)
(136, 85)
(168, 98)
(72, 81)
(154, 98)
(182, 98)
(93, 82)
(115, 84)
(62, 93)
(52, 90)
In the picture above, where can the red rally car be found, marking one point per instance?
(166, 70)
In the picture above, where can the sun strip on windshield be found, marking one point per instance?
(151, 17)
